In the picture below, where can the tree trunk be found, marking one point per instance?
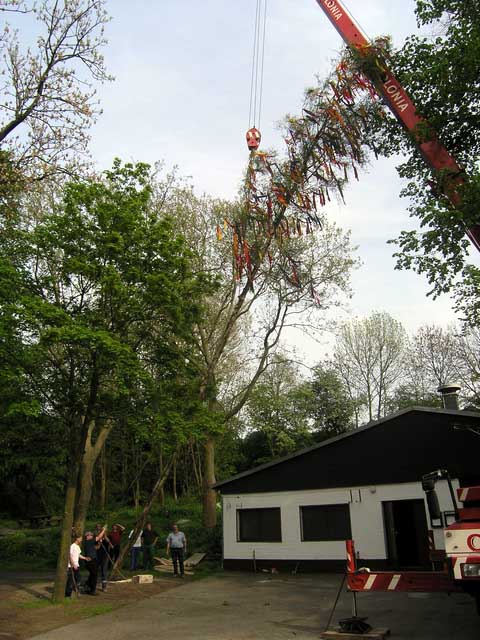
(102, 498)
(77, 438)
(136, 494)
(186, 477)
(85, 479)
(84, 490)
(198, 479)
(66, 536)
(199, 466)
(209, 494)
(161, 493)
(124, 474)
(140, 524)
(174, 482)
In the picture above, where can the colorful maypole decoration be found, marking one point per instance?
(284, 199)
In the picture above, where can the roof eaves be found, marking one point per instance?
(349, 434)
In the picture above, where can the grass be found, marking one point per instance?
(72, 607)
(89, 611)
(40, 603)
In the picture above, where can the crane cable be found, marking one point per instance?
(256, 81)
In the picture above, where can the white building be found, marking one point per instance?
(366, 485)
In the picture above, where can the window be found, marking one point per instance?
(326, 522)
(449, 517)
(259, 525)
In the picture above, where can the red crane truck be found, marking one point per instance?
(461, 565)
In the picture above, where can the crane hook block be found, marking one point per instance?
(253, 136)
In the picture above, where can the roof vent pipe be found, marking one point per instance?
(450, 396)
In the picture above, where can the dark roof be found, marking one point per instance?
(399, 448)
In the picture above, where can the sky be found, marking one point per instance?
(181, 95)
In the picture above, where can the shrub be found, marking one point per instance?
(31, 548)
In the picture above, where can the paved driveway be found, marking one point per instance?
(251, 607)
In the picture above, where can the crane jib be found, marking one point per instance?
(397, 95)
(333, 8)
(431, 149)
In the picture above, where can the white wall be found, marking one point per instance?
(366, 516)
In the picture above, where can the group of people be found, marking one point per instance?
(145, 545)
(101, 549)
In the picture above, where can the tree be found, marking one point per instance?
(442, 75)
(433, 356)
(437, 356)
(94, 314)
(468, 364)
(243, 320)
(49, 100)
(368, 357)
(277, 411)
(332, 410)
(407, 395)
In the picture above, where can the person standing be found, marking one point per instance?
(149, 539)
(115, 537)
(177, 546)
(90, 548)
(104, 550)
(73, 573)
(135, 551)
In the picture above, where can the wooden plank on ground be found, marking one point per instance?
(375, 634)
(120, 581)
(192, 561)
(163, 569)
(142, 579)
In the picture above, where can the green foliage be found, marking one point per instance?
(29, 549)
(187, 512)
(332, 409)
(37, 549)
(406, 396)
(442, 75)
(278, 414)
(99, 298)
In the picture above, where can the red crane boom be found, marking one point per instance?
(400, 104)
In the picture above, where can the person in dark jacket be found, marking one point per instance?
(149, 539)
(90, 546)
(104, 551)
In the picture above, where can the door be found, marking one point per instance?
(406, 534)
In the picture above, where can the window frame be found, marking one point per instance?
(344, 505)
(250, 540)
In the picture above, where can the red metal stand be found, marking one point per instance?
(418, 581)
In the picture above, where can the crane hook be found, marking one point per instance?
(253, 137)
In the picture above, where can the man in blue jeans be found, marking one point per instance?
(177, 546)
(135, 551)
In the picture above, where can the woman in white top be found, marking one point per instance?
(73, 573)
